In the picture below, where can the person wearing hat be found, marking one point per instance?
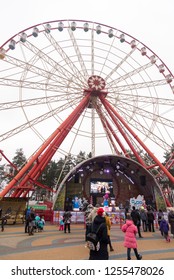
(99, 226)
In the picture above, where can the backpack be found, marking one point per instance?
(93, 242)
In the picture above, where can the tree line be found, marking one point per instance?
(56, 170)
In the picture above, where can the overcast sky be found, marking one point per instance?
(150, 21)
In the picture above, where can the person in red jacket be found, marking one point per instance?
(130, 241)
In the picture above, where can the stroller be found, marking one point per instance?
(40, 225)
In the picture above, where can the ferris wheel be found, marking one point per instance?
(105, 90)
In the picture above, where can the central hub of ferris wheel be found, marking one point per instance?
(96, 83)
(96, 88)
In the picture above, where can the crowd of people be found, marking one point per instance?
(97, 220)
(136, 222)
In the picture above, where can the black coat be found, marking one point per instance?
(171, 221)
(136, 217)
(102, 254)
(150, 216)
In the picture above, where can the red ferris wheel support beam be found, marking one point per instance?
(50, 151)
(107, 129)
(107, 125)
(45, 153)
(111, 110)
(42, 162)
(35, 172)
(14, 166)
(112, 115)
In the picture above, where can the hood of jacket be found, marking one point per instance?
(98, 221)
(129, 222)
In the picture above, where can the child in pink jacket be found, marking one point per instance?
(130, 241)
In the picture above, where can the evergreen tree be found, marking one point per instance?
(169, 163)
(19, 159)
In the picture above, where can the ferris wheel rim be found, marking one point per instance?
(84, 21)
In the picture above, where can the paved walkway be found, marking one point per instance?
(51, 244)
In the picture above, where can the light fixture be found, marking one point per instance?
(60, 26)
(80, 170)
(35, 32)
(73, 26)
(129, 178)
(86, 27)
(122, 38)
(47, 28)
(98, 29)
(110, 33)
(23, 37)
(70, 178)
(12, 44)
(106, 170)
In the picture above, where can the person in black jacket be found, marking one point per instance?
(99, 221)
(67, 221)
(135, 215)
(32, 223)
(27, 216)
(171, 221)
(151, 219)
(3, 222)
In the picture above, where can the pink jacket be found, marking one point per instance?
(130, 234)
